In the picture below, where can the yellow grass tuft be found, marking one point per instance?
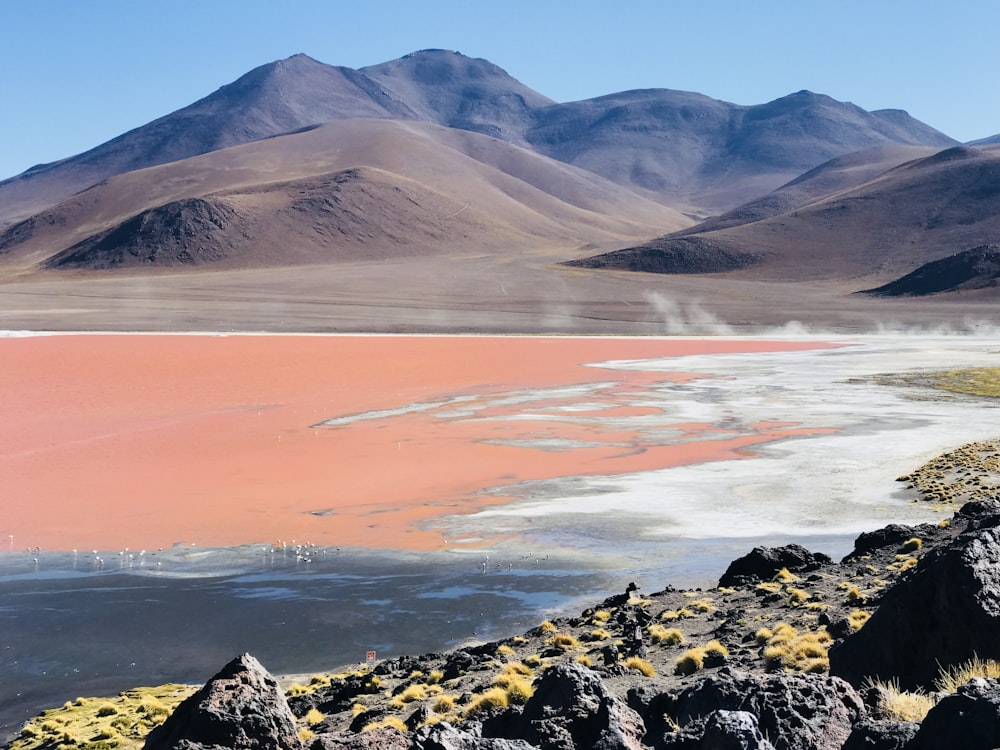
(504, 649)
(952, 678)
(703, 605)
(444, 704)
(676, 614)
(412, 693)
(797, 597)
(786, 576)
(893, 704)
(564, 641)
(392, 722)
(434, 677)
(793, 651)
(314, 716)
(548, 627)
(690, 661)
(858, 618)
(584, 660)
(912, 544)
(597, 634)
(640, 665)
(600, 616)
(666, 636)
(494, 698)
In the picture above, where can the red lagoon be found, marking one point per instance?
(145, 441)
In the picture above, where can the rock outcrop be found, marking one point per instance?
(969, 719)
(794, 711)
(241, 708)
(571, 709)
(761, 564)
(945, 613)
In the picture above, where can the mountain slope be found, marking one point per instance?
(711, 154)
(678, 148)
(276, 98)
(456, 91)
(355, 189)
(919, 212)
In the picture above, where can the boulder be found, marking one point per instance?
(383, 738)
(571, 709)
(870, 734)
(944, 613)
(762, 563)
(733, 730)
(969, 719)
(443, 736)
(795, 711)
(242, 707)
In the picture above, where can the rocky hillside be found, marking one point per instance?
(892, 647)
(882, 228)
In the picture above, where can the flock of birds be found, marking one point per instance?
(301, 553)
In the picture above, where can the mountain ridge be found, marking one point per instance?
(653, 133)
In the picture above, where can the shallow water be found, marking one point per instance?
(98, 622)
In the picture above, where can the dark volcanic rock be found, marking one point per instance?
(795, 711)
(571, 709)
(443, 736)
(762, 563)
(946, 612)
(383, 738)
(970, 269)
(182, 233)
(241, 707)
(868, 541)
(969, 719)
(870, 734)
(673, 255)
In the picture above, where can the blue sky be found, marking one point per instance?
(75, 73)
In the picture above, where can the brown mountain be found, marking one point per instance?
(349, 190)
(913, 214)
(679, 148)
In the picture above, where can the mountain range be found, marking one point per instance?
(449, 162)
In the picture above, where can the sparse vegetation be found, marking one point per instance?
(785, 647)
(393, 722)
(894, 704)
(443, 704)
(122, 722)
(493, 699)
(666, 636)
(858, 618)
(952, 678)
(640, 665)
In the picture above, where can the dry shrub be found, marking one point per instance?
(640, 665)
(893, 704)
(952, 678)
(494, 698)
(666, 636)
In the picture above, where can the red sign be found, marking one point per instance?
(370, 657)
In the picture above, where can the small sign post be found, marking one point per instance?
(370, 657)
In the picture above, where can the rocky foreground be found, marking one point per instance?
(791, 650)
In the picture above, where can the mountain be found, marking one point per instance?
(681, 149)
(710, 154)
(921, 211)
(349, 190)
(985, 141)
(450, 89)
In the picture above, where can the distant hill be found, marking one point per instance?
(915, 213)
(349, 190)
(710, 154)
(978, 268)
(684, 150)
